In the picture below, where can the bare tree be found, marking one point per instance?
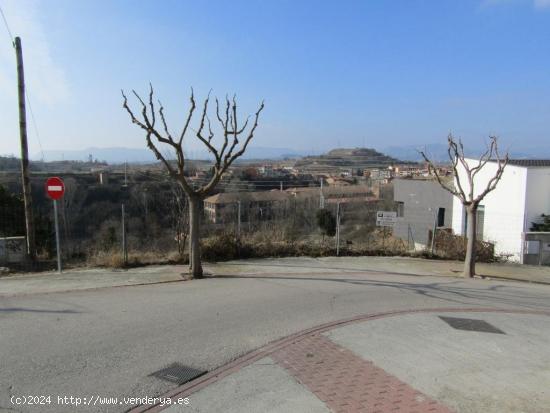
(231, 149)
(465, 191)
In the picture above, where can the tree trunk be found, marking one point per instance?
(471, 232)
(195, 267)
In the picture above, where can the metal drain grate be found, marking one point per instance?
(177, 373)
(469, 324)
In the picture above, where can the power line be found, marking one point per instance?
(35, 126)
(7, 26)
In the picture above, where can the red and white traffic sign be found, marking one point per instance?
(55, 188)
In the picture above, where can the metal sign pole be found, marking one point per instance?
(338, 229)
(57, 247)
(124, 246)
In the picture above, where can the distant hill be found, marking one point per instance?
(119, 155)
(345, 159)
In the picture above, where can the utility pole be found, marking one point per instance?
(239, 220)
(27, 196)
(125, 174)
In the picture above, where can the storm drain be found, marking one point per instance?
(469, 324)
(178, 373)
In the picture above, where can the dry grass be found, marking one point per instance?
(275, 244)
(114, 259)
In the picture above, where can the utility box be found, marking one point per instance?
(12, 250)
(536, 248)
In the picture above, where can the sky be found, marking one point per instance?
(372, 73)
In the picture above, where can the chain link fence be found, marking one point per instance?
(153, 212)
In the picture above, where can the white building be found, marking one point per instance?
(506, 213)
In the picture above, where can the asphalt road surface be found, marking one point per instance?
(107, 342)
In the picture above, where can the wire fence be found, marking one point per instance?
(117, 220)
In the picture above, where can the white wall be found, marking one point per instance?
(504, 207)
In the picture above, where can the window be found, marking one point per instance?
(400, 209)
(441, 217)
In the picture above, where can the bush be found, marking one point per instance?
(326, 222)
(453, 247)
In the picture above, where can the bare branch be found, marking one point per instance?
(151, 104)
(189, 116)
(501, 164)
(207, 141)
(230, 158)
(485, 157)
(161, 113)
(454, 155)
(433, 168)
(224, 157)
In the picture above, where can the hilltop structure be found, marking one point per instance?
(344, 160)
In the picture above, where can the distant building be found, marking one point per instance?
(506, 214)
(268, 205)
(265, 205)
(359, 193)
(266, 170)
(378, 174)
(421, 204)
(404, 171)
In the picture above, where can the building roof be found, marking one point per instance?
(290, 193)
(529, 163)
(233, 197)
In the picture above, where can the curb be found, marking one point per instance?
(217, 374)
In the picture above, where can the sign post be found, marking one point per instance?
(55, 188)
(385, 219)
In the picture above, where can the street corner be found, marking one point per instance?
(469, 361)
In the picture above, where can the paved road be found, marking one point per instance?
(107, 342)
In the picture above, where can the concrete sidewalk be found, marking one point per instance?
(436, 361)
(88, 278)
(91, 278)
(388, 265)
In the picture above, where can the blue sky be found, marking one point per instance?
(378, 72)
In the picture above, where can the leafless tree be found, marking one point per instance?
(232, 147)
(465, 191)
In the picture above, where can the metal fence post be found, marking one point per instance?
(338, 229)
(124, 246)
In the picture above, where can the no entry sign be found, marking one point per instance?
(55, 188)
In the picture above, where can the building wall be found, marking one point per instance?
(504, 207)
(421, 201)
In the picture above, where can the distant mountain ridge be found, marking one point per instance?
(117, 155)
(438, 152)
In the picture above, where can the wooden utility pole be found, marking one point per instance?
(27, 197)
